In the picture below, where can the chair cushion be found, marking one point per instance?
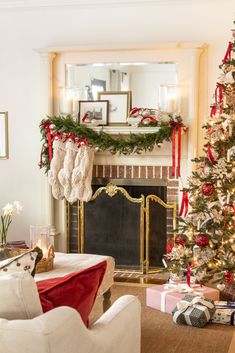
(77, 290)
(23, 262)
(19, 297)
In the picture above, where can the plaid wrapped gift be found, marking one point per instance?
(193, 311)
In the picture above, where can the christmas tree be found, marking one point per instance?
(205, 240)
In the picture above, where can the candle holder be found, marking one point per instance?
(168, 98)
(40, 236)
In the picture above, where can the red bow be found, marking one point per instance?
(83, 141)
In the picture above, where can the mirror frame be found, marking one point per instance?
(4, 132)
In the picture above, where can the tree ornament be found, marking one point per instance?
(201, 240)
(221, 286)
(180, 240)
(228, 276)
(208, 189)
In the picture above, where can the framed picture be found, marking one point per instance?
(119, 105)
(93, 112)
(3, 135)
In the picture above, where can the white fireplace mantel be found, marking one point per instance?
(186, 55)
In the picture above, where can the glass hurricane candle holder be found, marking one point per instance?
(40, 236)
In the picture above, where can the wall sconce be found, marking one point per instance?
(40, 236)
(169, 98)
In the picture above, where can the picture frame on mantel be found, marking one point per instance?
(4, 149)
(119, 106)
(93, 112)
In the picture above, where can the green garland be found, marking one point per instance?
(133, 143)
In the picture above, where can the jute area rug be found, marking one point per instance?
(161, 335)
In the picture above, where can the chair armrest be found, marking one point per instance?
(120, 326)
(58, 330)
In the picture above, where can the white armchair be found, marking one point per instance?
(61, 330)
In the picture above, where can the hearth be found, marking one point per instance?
(128, 219)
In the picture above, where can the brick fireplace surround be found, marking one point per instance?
(161, 173)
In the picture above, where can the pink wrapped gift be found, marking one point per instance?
(165, 297)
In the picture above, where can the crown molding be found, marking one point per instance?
(8, 4)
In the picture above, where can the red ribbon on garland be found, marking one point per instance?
(228, 53)
(219, 96)
(176, 127)
(184, 204)
(82, 141)
(85, 117)
(225, 212)
(210, 155)
(188, 275)
(47, 127)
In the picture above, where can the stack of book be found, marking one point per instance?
(19, 244)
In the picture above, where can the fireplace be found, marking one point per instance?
(127, 218)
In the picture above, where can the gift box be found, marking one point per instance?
(225, 304)
(224, 316)
(194, 311)
(165, 297)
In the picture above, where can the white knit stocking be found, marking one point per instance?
(56, 164)
(66, 172)
(82, 175)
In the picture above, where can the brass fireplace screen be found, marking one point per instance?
(132, 230)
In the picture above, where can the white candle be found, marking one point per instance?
(171, 105)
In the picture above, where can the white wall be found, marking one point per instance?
(22, 30)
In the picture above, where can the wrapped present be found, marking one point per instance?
(219, 304)
(165, 297)
(224, 316)
(194, 311)
(229, 292)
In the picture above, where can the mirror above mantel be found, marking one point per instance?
(189, 60)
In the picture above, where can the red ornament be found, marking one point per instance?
(228, 276)
(179, 240)
(208, 189)
(170, 245)
(201, 240)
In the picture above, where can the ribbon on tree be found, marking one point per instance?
(219, 97)
(184, 204)
(176, 126)
(228, 53)
(188, 275)
(210, 155)
(226, 207)
(213, 110)
(85, 117)
(47, 126)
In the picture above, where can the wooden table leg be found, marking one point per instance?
(106, 300)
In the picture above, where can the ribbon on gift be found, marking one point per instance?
(175, 288)
(186, 308)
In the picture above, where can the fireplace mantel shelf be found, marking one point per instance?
(124, 130)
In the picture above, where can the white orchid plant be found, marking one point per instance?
(6, 219)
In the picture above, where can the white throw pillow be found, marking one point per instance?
(19, 298)
(23, 262)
